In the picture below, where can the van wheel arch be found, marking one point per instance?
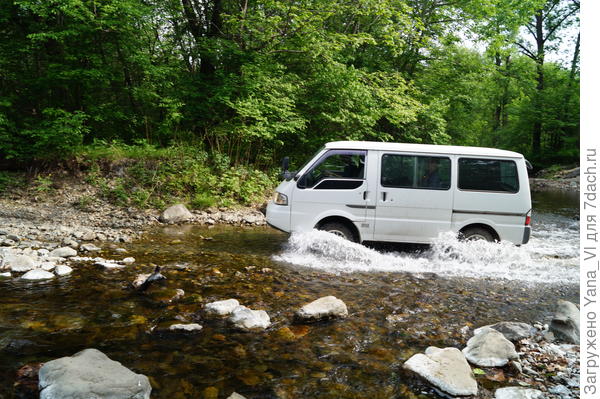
(332, 220)
(475, 229)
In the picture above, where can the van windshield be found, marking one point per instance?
(311, 158)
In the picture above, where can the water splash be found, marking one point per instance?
(550, 257)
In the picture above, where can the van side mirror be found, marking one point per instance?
(528, 165)
(285, 164)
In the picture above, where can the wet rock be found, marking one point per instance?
(128, 261)
(179, 293)
(446, 369)
(512, 331)
(236, 395)
(222, 308)
(37, 274)
(120, 251)
(26, 384)
(565, 324)
(20, 263)
(560, 390)
(62, 270)
(192, 327)
(142, 285)
(64, 252)
(489, 348)
(48, 266)
(175, 214)
(323, 308)
(139, 280)
(90, 373)
(518, 393)
(109, 265)
(248, 319)
(90, 248)
(5, 275)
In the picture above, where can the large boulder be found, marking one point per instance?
(565, 324)
(222, 308)
(20, 263)
(175, 214)
(323, 308)
(512, 330)
(91, 374)
(64, 252)
(489, 348)
(37, 274)
(248, 319)
(518, 393)
(446, 369)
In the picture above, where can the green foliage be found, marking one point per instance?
(9, 180)
(43, 184)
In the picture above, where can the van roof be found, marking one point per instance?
(425, 148)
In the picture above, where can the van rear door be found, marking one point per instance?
(414, 197)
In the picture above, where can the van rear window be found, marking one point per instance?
(488, 175)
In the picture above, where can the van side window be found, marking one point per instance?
(411, 171)
(336, 169)
(488, 175)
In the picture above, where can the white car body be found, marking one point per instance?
(383, 208)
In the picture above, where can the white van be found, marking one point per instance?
(371, 191)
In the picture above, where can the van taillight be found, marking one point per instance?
(527, 220)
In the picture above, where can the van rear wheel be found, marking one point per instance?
(476, 234)
(339, 229)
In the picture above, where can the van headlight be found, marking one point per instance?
(280, 199)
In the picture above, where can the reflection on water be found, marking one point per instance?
(433, 293)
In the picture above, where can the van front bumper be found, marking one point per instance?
(278, 216)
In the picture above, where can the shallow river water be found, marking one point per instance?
(432, 292)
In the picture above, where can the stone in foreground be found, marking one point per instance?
(323, 308)
(489, 348)
(91, 374)
(62, 270)
(175, 214)
(446, 369)
(21, 263)
(565, 324)
(512, 330)
(236, 395)
(192, 327)
(222, 308)
(37, 274)
(64, 252)
(248, 319)
(518, 393)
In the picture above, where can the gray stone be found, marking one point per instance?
(90, 248)
(236, 395)
(5, 275)
(128, 261)
(518, 393)
(37, 274)
(561, 391)
(13, 237)
(62, 270)
(489, 348)
(192, 327)
(512, 330)
(121, 251)
(64, 252)
(88, 236)
(20, 263)
(109, 265)
(48, 266)
(446, 369)
(139, 280)
(248, 319)
(222, 308)
(322, 308)
(90, 374)
(565, 324)
(175, 214)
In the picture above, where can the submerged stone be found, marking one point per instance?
(446, 369)
(91, 374)
(222, 308)
(248, 319)
(191, 327)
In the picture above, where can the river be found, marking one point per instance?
(432, 292)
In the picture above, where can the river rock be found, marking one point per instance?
(518, 393)
(128, 261)
(139, 280)
(446, 369)
(322, 308)
(248, 319)
(21, 263)
(512, 330)
(62, 270)
(192, 327)
(64, 252)
(236, 395)
(90, 248)
(109, 265)
(37, 274)
(175, 214)
(91, 374)
(222, 308)
(5, 275)
(48, 266)
(489, 348)
(565, 324)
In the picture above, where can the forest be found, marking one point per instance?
(245, 82)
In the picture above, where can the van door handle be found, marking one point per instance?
(365, 193)
(384, 196)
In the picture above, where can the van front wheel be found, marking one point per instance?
(339, 229)
(477, 233)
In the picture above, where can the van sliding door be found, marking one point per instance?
(414, 197)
